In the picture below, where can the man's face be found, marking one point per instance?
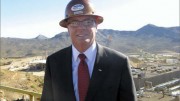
(82, 30)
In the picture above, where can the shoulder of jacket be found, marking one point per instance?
(60, 52)
(113, 52)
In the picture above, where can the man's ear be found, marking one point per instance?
(96, 28)
(68, 30)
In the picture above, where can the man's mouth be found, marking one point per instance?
(81, 35)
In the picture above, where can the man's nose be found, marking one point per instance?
(81, 26)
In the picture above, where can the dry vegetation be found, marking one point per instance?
(18, 79)
(21, 80)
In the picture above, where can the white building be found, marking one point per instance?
(172, 61)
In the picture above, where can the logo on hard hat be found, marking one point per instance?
(77, 7)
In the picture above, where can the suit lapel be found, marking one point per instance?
(99, 72)
(67, 80)
(69, 74)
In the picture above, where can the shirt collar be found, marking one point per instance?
(91, 50)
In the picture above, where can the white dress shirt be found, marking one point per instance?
(90, 59)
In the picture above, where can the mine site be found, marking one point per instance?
(118, 41)
(156, 77)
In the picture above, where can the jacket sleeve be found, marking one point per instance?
(47, 93)
(127, 91)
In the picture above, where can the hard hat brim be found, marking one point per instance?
(64, 23)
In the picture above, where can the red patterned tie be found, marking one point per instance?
(83, 77)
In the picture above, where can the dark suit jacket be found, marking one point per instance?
(111, 78)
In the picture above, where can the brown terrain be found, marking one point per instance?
(13, 75)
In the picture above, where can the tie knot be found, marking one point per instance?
(82, 56)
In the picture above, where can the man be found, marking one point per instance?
(86, 71)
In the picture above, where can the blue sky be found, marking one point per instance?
(29, 18)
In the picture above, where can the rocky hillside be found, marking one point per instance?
(149, 38)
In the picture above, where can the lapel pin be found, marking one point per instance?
(99, 70)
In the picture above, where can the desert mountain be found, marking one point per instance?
(150, 38)
(41, 37)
